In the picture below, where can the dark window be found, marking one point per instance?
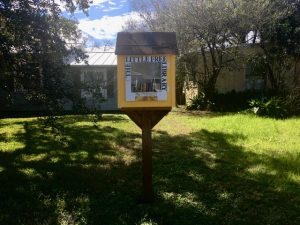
(110, 83)
(254, 79)
(94, 84)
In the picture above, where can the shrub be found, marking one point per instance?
(293, 101)
(199, 102)
(234, 101)
(274, 107)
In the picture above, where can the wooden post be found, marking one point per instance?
(147, 194)
(146, 120)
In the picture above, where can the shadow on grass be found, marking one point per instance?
(210, 180)
(89, 175)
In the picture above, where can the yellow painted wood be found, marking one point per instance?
(170, 102)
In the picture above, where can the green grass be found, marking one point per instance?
(208, 169)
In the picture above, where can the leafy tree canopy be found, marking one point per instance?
(210, 31)
(34, 41)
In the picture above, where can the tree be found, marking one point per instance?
(275, 24)
(210, 33)
(204, 33)
(33, 47)
(286, 40)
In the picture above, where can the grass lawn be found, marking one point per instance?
(208, 169)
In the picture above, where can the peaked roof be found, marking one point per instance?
(146, 43)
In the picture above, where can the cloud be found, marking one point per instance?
(111, 9)
(106, 27)
(60, 4)
(94, 3)
(99, 2)
(111, 2)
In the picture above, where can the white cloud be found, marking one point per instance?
(111, 9)
(94, 3)
(111, 2)
(106, 27)
(60, 4)
(98, 2)
(99, 6)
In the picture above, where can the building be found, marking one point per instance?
(97, 77)
(94, 81)
(240, 77)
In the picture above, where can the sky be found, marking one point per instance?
(105, 19)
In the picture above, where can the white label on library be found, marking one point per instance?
(146, 78)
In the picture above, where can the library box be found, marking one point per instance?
(146, 69)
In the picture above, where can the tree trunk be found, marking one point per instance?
(296, 74)
(210, 86)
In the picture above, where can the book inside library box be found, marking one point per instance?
(146, 77)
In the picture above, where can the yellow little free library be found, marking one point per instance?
(146, 69)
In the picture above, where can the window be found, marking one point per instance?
(94, 83)
(255, 72)
(110, 83)
(254, 80)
